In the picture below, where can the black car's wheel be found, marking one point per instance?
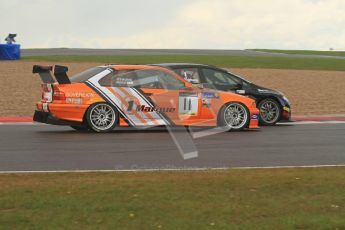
(102, 117)
(234, 116)
(81, 128)
(270, 111)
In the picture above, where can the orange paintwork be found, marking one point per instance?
(79, 96)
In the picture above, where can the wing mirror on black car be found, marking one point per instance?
(237, 86)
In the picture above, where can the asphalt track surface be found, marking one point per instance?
(54, 148)
(74, 51)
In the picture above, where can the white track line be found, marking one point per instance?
(20, 123)
(310, 122)
(171, 169)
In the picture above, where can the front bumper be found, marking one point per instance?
(254, 118)
(47, 118)
(286, 114)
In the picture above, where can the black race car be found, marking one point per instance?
(273, 105)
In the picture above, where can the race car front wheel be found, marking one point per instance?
(269, 112)
(234, 116)
(102, 117)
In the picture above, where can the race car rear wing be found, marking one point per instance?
(59, 72)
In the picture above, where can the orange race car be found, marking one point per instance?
(136, 95)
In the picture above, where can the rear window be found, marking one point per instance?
(84, 76)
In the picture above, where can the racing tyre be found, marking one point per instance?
(270, 112)
(234, 116)
(102, 117)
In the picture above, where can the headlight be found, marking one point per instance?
(286, 99)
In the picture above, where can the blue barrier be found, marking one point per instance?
(9, 51)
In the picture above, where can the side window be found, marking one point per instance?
(158, 79)
(122, 78)
(215, 77)
(149, 79)
(189, 74)
(153, 79)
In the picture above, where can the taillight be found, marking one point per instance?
(46, 92)
(44, 88)
(58, 95)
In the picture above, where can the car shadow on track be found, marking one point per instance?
(136, 130)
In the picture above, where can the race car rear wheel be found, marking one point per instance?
(234, 116)
(270, 111)
(102, 117)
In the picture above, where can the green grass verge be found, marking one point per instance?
(304, 52)
(217, 60)
(309, 198)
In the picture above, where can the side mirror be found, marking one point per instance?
(238, 86)
(235, 87)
